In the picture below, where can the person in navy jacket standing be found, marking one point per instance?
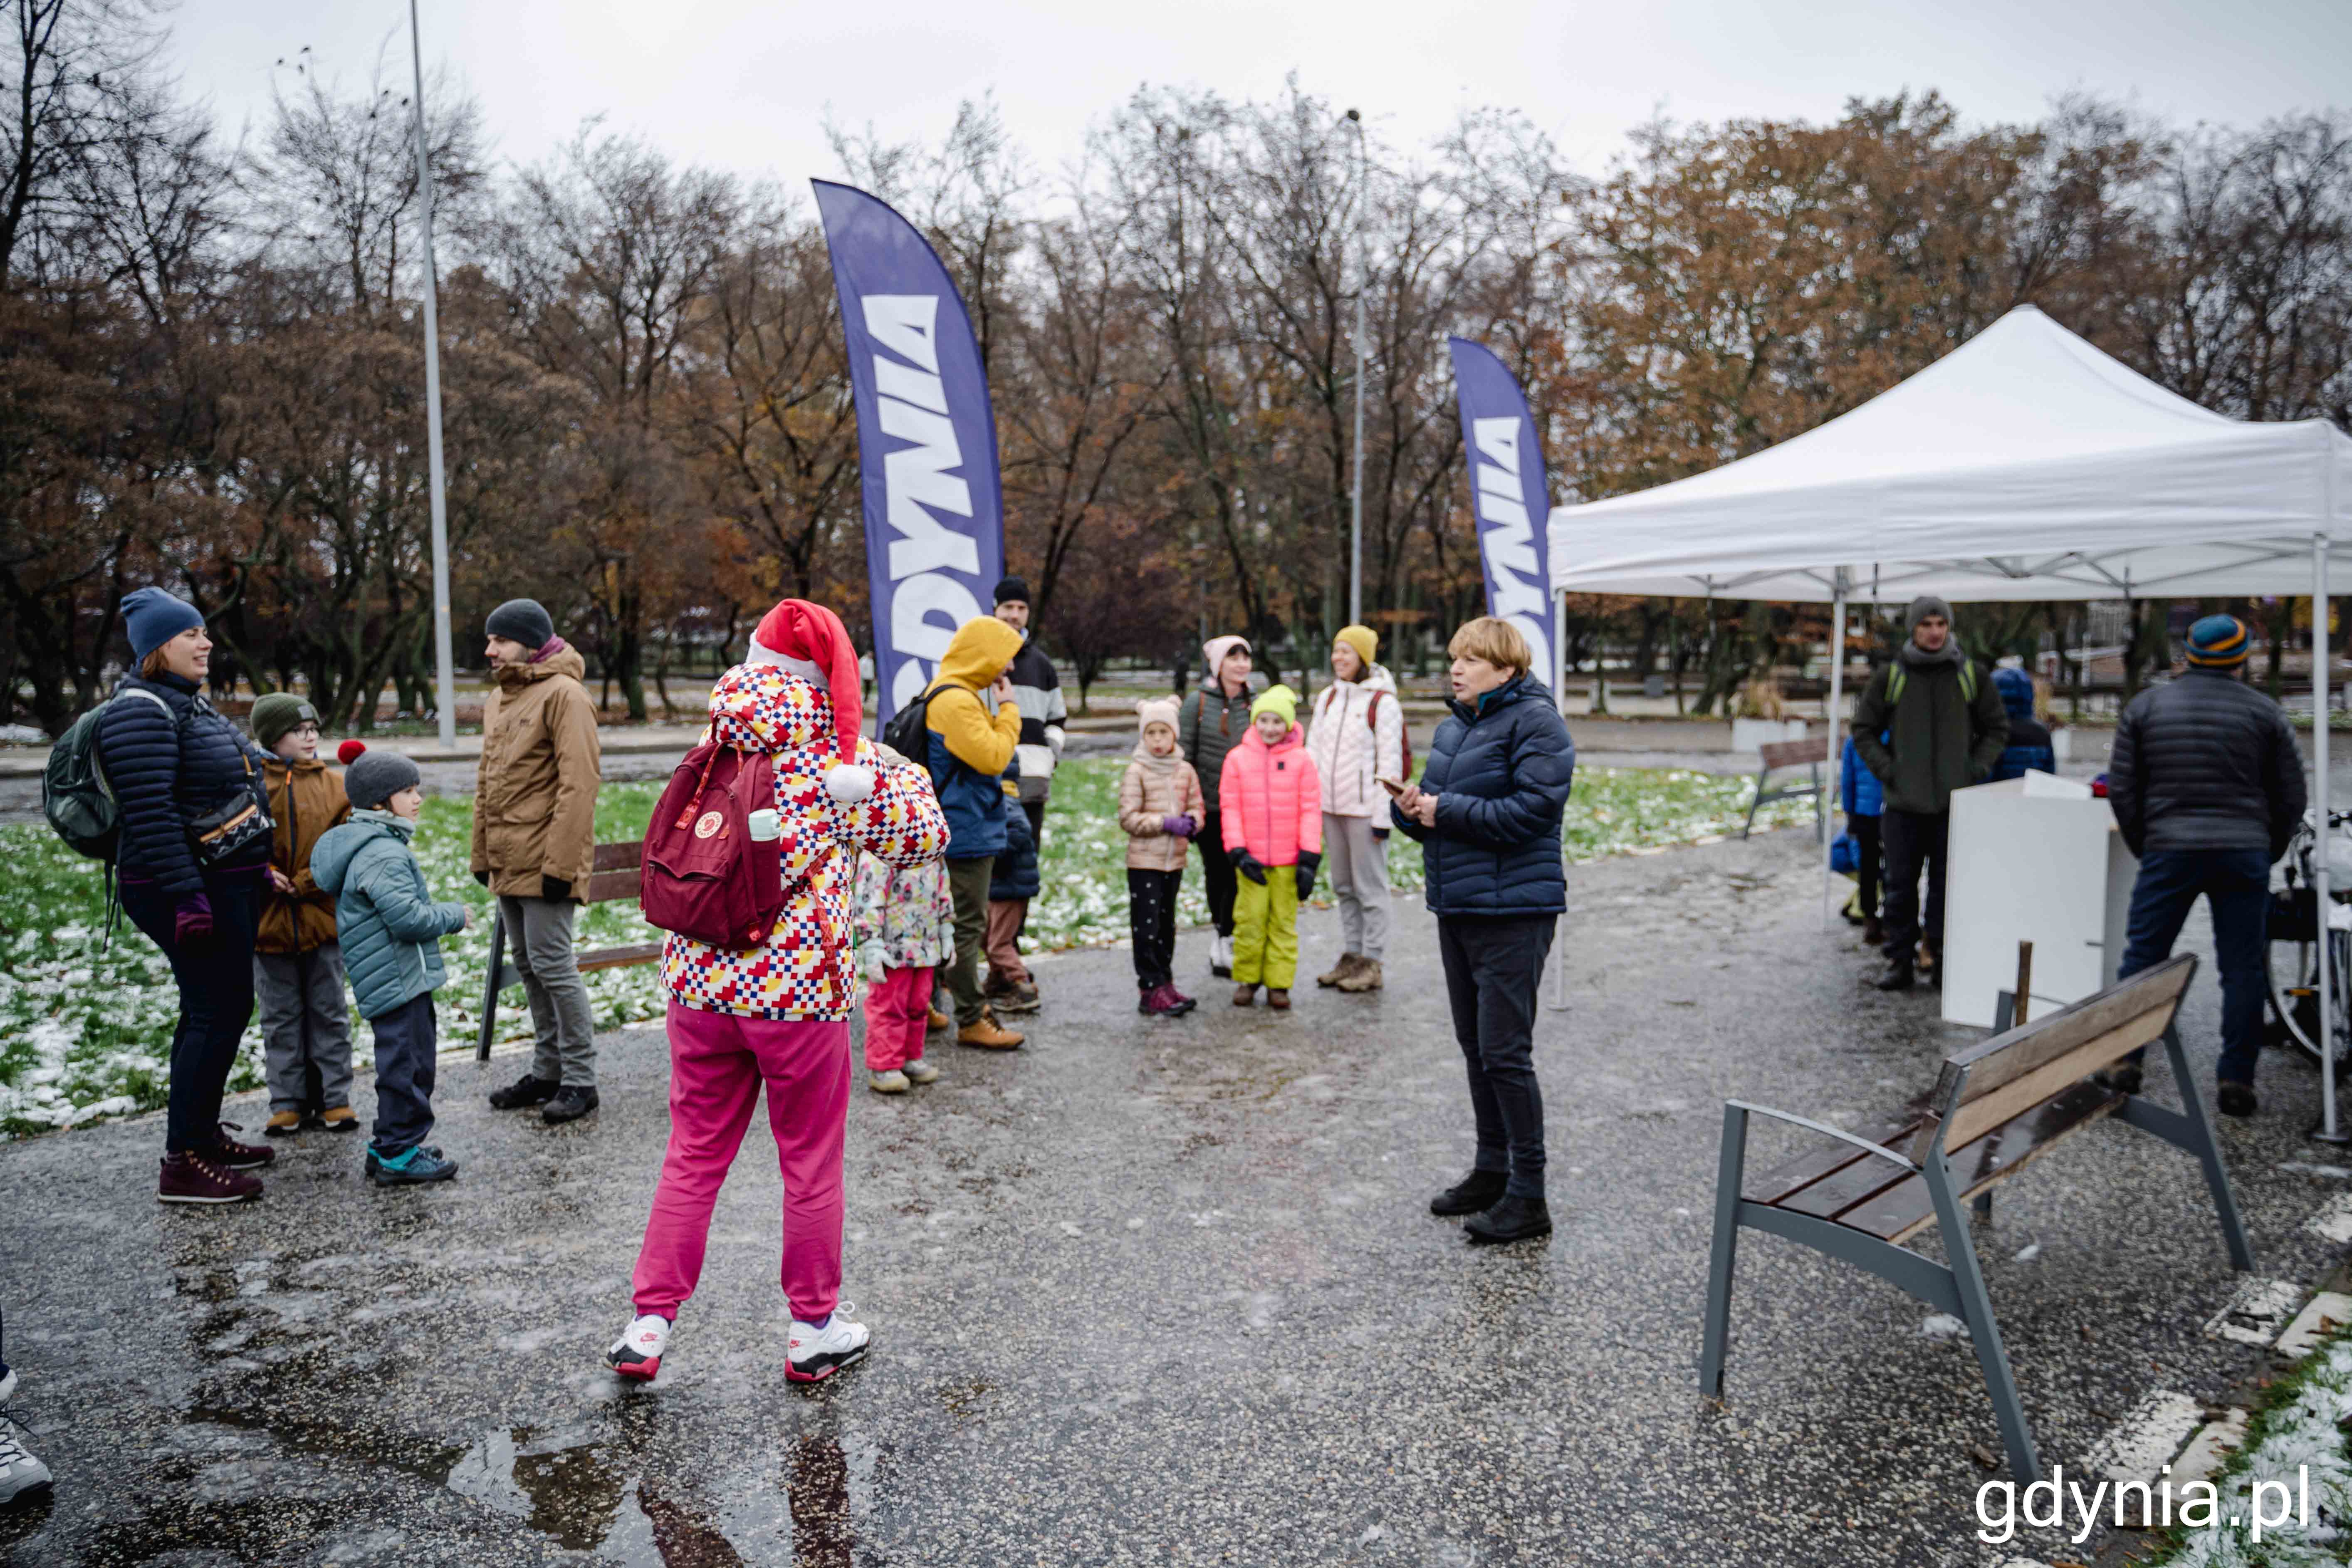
(175, 764)
(1488, 813)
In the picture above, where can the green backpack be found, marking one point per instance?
(75, 797)
(1968, 682)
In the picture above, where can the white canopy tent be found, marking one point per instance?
(2024, 465)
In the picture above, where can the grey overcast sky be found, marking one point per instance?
(747, 86)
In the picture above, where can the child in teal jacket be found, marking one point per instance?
(391, 930)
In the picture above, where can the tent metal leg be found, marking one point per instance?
(2330, 1129)
(1825, 821)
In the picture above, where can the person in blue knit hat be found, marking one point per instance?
(2029, 749)
(2206, 781)
(192, 862)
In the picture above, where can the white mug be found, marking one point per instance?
(766, 826)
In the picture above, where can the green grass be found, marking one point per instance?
(85, 1030)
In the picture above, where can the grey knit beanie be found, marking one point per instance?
(525, 621)
(375, 777)
(1923, 606)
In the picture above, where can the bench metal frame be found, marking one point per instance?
(1765, 797)
(1960, 1289)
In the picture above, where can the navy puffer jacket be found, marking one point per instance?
(1500, 771)
(1014, 875)
(167, 769)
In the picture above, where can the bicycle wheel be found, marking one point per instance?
(2294, 994)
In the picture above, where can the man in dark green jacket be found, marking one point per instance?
(1943, 729)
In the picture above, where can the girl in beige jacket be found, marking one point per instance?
(1160, 808)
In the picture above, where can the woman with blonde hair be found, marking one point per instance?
(1488, 813)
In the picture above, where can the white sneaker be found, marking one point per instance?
(638, 1353)
(814, 1353)
(21, 1475)
(921, 1070)
(1221, 957)
(891, 1082)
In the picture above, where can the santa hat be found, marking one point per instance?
(809, 641)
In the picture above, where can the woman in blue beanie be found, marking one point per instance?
(193, 851)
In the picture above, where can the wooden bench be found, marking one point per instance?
(614, 876)
(1999, 1105)
(1809, 753)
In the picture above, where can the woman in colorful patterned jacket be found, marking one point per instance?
(778, 1012)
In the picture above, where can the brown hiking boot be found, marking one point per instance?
(341, 1118)
(193, 1179)
(282, 1124)
(1244, 996)
(1366, 978)
(935, 1021)
(1277, 998)
(989, 1035)
(1341, 971)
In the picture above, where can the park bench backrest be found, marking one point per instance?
(1794, 753)
(618, 872)
(1996, 1079)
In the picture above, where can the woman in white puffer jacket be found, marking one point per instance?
(1356, 739)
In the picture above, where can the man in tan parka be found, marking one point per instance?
(535, 845)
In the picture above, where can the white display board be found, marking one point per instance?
(2036, 859)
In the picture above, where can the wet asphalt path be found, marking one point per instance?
(1151, 1292)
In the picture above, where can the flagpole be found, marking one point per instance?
(445, 683)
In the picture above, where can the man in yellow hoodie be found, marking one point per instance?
(969, 752)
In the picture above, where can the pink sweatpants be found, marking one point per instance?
(896, 1006)
(717, 1063)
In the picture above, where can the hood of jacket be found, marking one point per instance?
(978, 653)
(763, 708)
(330, 861)
(1378, 679)
(1152, 764)
(2016, 688)
(565, 661)
(1518, 689)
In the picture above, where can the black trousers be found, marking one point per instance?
(1152, 917)
(1218, 877)
(215, 975)
(1865, 860)
(1494, 967)
(1916, 841)
(407, 1044)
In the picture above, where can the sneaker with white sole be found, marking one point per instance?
(22, 1477)
(889, 1080)
(815, 1354)
(638, 1353)
(921, 1070)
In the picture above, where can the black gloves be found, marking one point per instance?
(1308, 862)
(1247, 865)
(483, 878)
(555, 887)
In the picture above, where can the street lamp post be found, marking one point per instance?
(445, 683)
(1363, 282)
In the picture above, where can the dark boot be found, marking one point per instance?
(1511, 1219)
(2237, 1098)
(1474, 1193)
(570, 1103)
(1873, 934)
(525, 1091)
(1898, 977)
(2124, 1077)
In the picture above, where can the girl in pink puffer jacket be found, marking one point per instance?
(1271, 802)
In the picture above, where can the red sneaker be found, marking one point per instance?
(236, 1156)
(196, 1179)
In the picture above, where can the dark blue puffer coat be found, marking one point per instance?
(1014, 875)
(167, 769)
(1501, 771)
(2028, 747)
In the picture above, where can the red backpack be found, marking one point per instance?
(703, 874)
(1405, 731)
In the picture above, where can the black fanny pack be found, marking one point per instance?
(226, 831)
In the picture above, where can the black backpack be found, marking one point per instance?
(75, 797)
(909, 730)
